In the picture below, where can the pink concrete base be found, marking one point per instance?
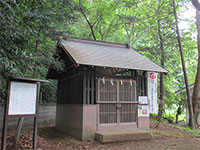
(82, 121)
(143, 122)
(77, 120)
(69, 119)
(90, 116)
(117, 126)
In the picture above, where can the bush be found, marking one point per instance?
(168, 117)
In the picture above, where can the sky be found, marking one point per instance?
(187, 16)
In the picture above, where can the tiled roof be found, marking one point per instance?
(104, 54)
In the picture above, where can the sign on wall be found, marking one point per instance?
(143, 110)
(143, 99)
(23, 98)
(152, 91)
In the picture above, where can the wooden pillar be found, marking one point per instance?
(84, 88)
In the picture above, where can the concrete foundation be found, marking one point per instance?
(118, 136)
(81, 121)
(143, 122)
(77, 120)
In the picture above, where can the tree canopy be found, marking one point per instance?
(29, 31)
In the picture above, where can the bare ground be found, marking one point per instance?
(166, 137)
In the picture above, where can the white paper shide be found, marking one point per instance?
(22, 98)
(152, 91)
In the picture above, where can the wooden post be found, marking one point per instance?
(5, 122)
(96, 89)
(36, 118)
(5, 126)
(92, 88)
(84, 88)
(18, 130)
(117, 104)
(88, 88)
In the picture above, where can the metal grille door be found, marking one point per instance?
(117, 101)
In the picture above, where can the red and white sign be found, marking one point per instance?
(152, 91)
(153, 75)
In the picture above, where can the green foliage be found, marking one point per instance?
(29, 31)
(169, 117)
(189, 130)
(153, 116)
(50, 96)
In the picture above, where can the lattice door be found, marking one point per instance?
(117, 101)
(127, 100)
(108, 99)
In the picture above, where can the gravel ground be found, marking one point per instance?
(166, 137)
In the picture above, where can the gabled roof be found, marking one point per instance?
(105, 54)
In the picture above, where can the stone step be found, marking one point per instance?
(120, 136)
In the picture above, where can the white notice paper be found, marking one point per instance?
(22, 98)
(143, 99)
(152, 91)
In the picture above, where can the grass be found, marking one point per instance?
(173, 133)
(188, 129)
(167, 133)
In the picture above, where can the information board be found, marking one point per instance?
(23, 98)
(22, 101)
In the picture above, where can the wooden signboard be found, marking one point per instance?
(22, 101)
(23, 97)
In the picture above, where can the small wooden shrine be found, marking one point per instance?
(99, 89)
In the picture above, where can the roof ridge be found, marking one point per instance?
(97, 42)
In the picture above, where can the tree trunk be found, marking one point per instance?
(179, 110)
(130, 40)
(90, 25)
(196, 92)
(191, 118)
(36, 52)
(131, 35)
(160, 110)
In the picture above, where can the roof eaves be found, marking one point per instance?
(165, 72)
(66, 51)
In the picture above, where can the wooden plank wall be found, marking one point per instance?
(141, 85)
(89, 86)
(70, 90)
(78, 88)
(81, 87)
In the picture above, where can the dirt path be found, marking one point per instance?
(166, 137)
